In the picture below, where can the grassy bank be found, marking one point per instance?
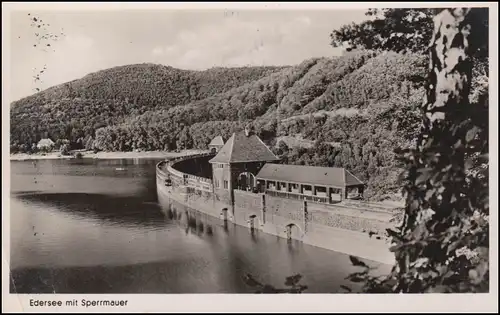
(102, 155)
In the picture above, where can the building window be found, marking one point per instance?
(283, 186)
(226, 184)
(307, 189)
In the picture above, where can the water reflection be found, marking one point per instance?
(116, 210)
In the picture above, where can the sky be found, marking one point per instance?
(89, 41)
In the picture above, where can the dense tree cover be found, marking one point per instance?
(410, 30)
(406, 30)
(401, 30)
(66, 118)
(363, 144)
(259, 100)
(78, 108)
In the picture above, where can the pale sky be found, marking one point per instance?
(183, 39)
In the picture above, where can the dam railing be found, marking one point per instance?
(296, 196)
(166, 169)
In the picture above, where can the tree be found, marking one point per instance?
(405, 30)
(65, 149)
(14, 148)
(409, 30)
(185, 141)
(442, 244)
(89, 144)
(399, 30)
(34, 148)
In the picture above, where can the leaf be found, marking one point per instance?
(356, 279)
(346, 288)
(453, 198)
(356, 274)
(473, 275)
(395, 247)
(356, 262)
(469, 163)
(471, 134)
(425, 174)
(420, 262)
(393, 234)
(453, 246)
(429, 193)
(293, 280)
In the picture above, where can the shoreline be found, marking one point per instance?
(103, 155)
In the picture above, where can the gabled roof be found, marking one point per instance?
(217, 141)
(313, 175)
(243, 148)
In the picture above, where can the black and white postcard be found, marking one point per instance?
(249, 157)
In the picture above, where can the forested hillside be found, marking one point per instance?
(76, 109)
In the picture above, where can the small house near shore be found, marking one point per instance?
(45, 144)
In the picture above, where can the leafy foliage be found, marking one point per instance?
(405, 30)
(442, 245)
(78, 108)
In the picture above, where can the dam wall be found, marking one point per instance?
(348, 228)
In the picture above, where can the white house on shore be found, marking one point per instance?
(45, 144)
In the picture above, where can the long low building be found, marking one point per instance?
(318, 184)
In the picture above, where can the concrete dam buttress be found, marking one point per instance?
(238, 192)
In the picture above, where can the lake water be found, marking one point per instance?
(96, 226)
